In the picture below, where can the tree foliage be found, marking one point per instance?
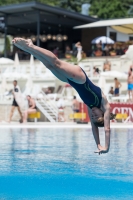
(49, 2)
(104, 9)
(109, 9)
(73, 5)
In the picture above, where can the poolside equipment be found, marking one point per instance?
(34, 116)
(121, 117)
(78, 116)
(82, 116)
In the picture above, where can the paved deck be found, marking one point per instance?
(58, 125)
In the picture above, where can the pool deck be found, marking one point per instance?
(58, 125)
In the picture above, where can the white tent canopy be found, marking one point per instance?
(104, 23)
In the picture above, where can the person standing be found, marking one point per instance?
(117, 87)
(79, 49)
(75, 105)
(130, 84)
(14, 103)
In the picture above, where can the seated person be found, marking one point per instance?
(107, 66)
(32, 108)
(111, 91)
(96, 71)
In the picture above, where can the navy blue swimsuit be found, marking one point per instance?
(89, 93)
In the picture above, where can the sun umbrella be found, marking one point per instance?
(32, 66)
(6, 61)
(29, 83)
(114, 74)
(17, 63)
(102, 83)
(103, 39)
(129, 53)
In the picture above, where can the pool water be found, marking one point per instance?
(61, 164)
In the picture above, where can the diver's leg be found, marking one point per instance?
(70, 71)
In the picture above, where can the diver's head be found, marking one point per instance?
(98, 117)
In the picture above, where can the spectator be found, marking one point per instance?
(107, 66)
(79, 49)
(76, 105)
(32, 108)
(119, 50)
(14, 103)
(96, 71)
(111, 91)
(61, 106)
(48, 91)
(68, 50)
(117, 87)
(130, 83)
(106, 50)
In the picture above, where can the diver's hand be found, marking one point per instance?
(102, 150)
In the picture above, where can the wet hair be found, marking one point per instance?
(100, 121)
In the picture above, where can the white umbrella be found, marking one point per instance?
(6, 61)
(29, 82)
(4, 85)
(129, 53)
(103, 39)
(114, 74)
(102, 83)
(32, 66)
(17, 63)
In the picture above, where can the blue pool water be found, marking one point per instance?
(60, 164)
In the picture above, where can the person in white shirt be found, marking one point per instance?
(14, 103)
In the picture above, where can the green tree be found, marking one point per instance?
(8, 45)
(109, 9)
(72, 5)
(49, 2)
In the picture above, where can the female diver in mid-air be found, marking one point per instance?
(98, 106)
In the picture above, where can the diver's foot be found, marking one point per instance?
(22, 43)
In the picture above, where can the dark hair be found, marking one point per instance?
(100, 122)
(74, 97)
(97, 70)
(115, 78)
(15, 81)
(28, 96)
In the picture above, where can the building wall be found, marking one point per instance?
(88, 34)
(119, 36)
